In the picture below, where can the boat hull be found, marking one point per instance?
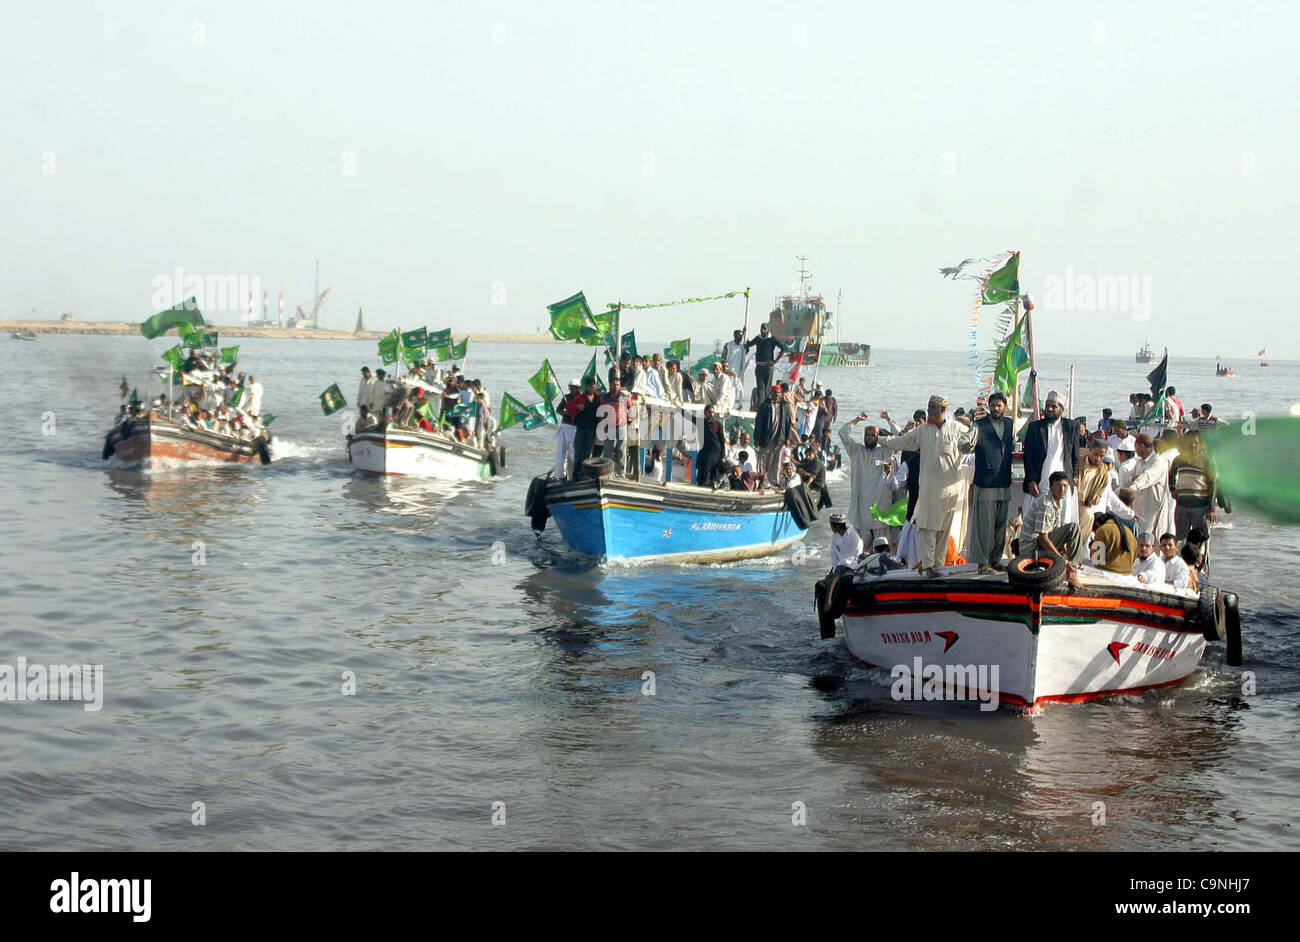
(156, 441)
(418, 454)
(1064, 644)
(615, 519)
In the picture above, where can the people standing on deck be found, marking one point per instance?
(1194, 487)
(566, 432)
(716, 389)
(991, 504)
(584, 411)
(771, 432)
(940, 442)
(611, 430)
(676, 388)
(1174, 410)
(1050, 446)
(846, 544)
(365, 390)
(701, 388)
(734, 353)
(1150, 479)
(871, 469)
(767, 350)
(253, 403)
(911, 467)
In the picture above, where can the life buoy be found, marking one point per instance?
(1043, 572)
(263, 449)
(1231, 629)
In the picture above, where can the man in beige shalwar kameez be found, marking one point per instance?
(941, 442)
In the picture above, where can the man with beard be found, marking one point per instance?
(994, 439)
(1050, 445)
(871, 469)
(1154, 508)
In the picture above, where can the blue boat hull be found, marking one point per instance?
(613, 518)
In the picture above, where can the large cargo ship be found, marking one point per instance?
(802, 320)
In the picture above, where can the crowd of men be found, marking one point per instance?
(628, 422)
(212, 397)
(1107, 495)
(398, 402)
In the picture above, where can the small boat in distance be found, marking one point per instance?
(1221, 370)
(802, 321)
(1262, 361)
(24, 335)
(1144, 354)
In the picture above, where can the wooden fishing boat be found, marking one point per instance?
(423, 454)
(152, 439)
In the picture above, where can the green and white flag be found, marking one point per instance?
(237, 397)
(628, 344)
(438, 338)
(1004, 284)
(190, 334)
(187, 312)
(174, 357)
(415, 339)
(512, 411)
(268, 418)
(569, 316)
(544, 382)
(592, 373)
(230, 354)
(1012, 359)
(540, 413)
(600, 331)
(388, 347)
(460, 350)
(678, 350)
(331, 400)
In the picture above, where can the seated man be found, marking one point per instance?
(1114, 547)
(366, 419)
(1176, 572)
(846, 545)
(1047, 532)
(1148, 567)
(736, 478)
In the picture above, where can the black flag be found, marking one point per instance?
(1159, 375)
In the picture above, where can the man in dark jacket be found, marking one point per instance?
(708, 461)
(584, 411)
(771, 432)
(765, 355)
(912, 461)
(1051, 444)
(992, 503)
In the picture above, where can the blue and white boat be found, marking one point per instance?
(615, 518)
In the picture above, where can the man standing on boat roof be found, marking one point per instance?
(734, 351)
(940, 442)
(871, 470)
(766, 354)
(991, 507)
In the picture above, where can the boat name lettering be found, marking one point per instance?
(1163, 654)
(715, 526)
(905, 637)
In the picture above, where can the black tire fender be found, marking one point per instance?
(535, 508)
(1231, 629)
(1209, 613)
(831, 596)
(1045, 571)
(263, 448)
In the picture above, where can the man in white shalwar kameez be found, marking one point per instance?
(1154, 505)
(734, 352)
(871, 468)
(941, 443)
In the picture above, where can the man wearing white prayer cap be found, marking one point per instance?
(565, 432)
(1050, 445)
(940, 442)
(846, 545)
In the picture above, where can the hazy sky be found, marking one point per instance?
(660, 150)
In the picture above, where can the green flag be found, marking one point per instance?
(895, 516)
(1004, 284)
(230, 354)
(512, 411)
(441, 354)
(591, 373)
(706, 363)
(415, 339)
(438, 338)
(545, 382)
(237, 396)
(601, 330)
(208, 338)
(678, 350)
(268, 418)
(331, 400)
(465, 410)
(190, 334)
(569, 316)
(458, 351)
(539, 413)
(187, 312)
(628, 344)
(125, 387)
(426, 410)
(1012, 359)
(174, 357)
(412, 354)
(388, 347)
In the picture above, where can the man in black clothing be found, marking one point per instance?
(764, 355)
(992, 503)
(1051, 444)
(771, 431)
(708, 460)
(584, 439)
(912, 460)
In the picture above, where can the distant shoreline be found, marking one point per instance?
(123, 328)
